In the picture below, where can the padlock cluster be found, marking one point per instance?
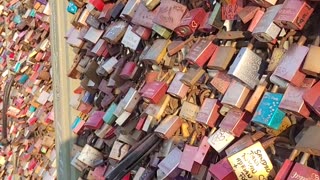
(196, 89)
(27, 141)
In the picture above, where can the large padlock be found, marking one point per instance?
(289, 67)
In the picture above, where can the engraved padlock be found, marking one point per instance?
(189, 108)
(170, 14)
(294, 14)
(201, 51)
(190, 22)
(246, 67)
(235, 121)
(266, 30)
(220, 139)
(289, 67)
(292, 100)
(236, 95)
(221, 81)
(268, 112)
(144, 17)
(209, 112)
(130, 39)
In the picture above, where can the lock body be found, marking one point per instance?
(268, 112)
(311, 97)
(187, 163)
(201, 52)
(220, 139)
(192, 76)
(246, 67)
(209, 112)
(221, 58)
(177, 88)
(289, 67)
(221, 81)
(157, 51)
(190, 22)
(236, 95)
(294, 14)
(169, 165)
(292, 100)
(222, 170)
(266, 30)
(311, 65)
(154, 91)
(169, 126)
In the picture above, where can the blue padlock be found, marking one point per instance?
(268, 112)
(23, 79)
(72, 8)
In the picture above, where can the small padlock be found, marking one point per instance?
(294, 14)
(95, 121)
(201, 51)
(222, 57)
(157, 110)
(289, 67)
(119, 150)
(247, 13)
(220, 139)
(168, 126)
(190, 22)
(209, 112)
(256, 97)
(189, 110)
(292, 100)
(192, 76)
(105, 14)
(157, 51)
(115, 32)
(130, 39)
(246, 67)
(187, 163)
(268, 112)
(311, 97)
(236, 95)
(93, 35)
(266, 30)
(222, 170)
(129, 10)
(310, 66)
(129, 69)
(177, 88)
(203, 151)
(169, 165)
(143, 32)
(170, 14)
(235, 121)
(221, 82)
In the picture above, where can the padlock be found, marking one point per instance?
(168, 126)
(157, 110)
(177, 88)
(95, 121)
(187, 163)
(252, 163)
(129, 69)
(157, 51)
(201, 51)
(268, 112)
(144, 17)
(150, 4)
(119, 150)
(289, 67)
(209, 112)
(143, 32)
(246, 67)
(115, 32)
(130, 39)
(190, 22)
(256, 97)
(89, 155)
(294, 14)
(222, 57)
(243, 142)
(108, 117)
(128, 103)
(311, 97)
(93, 35)
(203, 151)
(235, 121)
(308, 143)
(236, 95)
(154, 91)
(176, 45)
(105, 128)
(99, 47)
(169, 165)
(221, 81)
(162, 31)
(310, 67)
(220, 139)
(222, 170)
(266, 30)
(193, 74)
(189, 109)
(247, 13)
(116, 10)
(215, 17)
(170, 14)
(93, 22)
(105, 14)
(129, 10)
(230, 11)
(292, 100)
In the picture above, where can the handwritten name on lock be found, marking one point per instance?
(252, 163)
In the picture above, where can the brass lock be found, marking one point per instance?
(310, 66)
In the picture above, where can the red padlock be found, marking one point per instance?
(190, 22)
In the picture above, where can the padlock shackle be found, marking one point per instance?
(304, 158)
(285, 38)
(294, 154)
